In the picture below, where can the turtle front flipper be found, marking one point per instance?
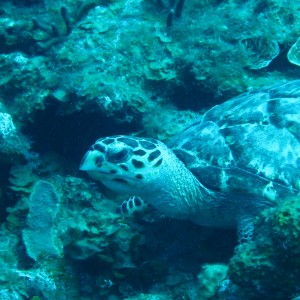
(245, 228)
(134, 205)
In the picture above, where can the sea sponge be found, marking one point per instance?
(40, 237)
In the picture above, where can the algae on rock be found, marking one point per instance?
(268, 267)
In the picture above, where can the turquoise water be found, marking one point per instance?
(72, 72)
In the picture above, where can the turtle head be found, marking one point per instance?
(123, 163)
(146, 168)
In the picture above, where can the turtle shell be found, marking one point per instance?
(247, 145)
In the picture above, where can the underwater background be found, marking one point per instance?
(72, 71)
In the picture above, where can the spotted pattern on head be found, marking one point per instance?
(123, 158)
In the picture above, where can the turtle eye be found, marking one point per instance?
(117, 155)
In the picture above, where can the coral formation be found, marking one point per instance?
(41, 237)
(101, 63)
(12, 141)
(70, 71)
(22, 178)
(268, 267)
(294, 53)
(210, 280)
(260, 51)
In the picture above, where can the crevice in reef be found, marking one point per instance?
(192, 95)
(6, 198)
(70, 135)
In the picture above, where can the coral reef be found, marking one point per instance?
(268, 267)
(94, 58)
(111, 255)
(71, 71)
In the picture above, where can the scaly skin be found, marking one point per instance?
(162, 181)
(239, 158)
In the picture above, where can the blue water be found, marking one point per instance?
(74, 71)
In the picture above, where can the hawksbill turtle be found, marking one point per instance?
(237, 159)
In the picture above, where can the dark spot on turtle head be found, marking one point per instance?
(98, 160)
(113, 172)
(129, 142)
(108, 141)
(91, 148)
(139, 176)
(120, 180)
(124, 167)
(117, 156)
(153, 155)
(137, 201)
(138, 164)
(158, 163)
(147, 145)
(124, 207)
(130, 204)
(99, 147)
(139, 152)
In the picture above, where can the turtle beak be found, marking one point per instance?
(87, 163)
